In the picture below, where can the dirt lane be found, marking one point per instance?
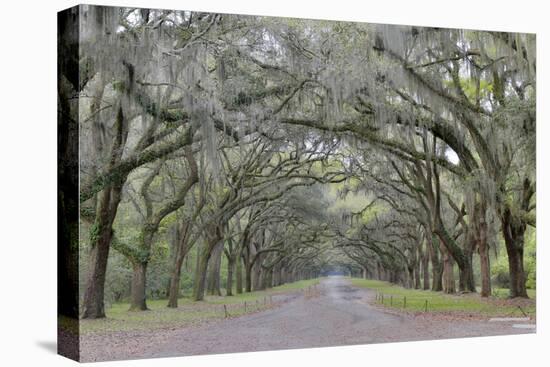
(338, 314)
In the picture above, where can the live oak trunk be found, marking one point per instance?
(231, 262)
(437, 277)
(267, 278)
(410, 276)
(513, 229)
(462, 257)
(140, 261)
(239, 275)
(199, 285)
(137, 296)
(200, 275)
(276, 277)
(94, 293)
(483, 249)
(174, 289)
(248, 278)
(417, 265)
(247, 258)
(175, 276)
(437, 266)
(425, 271)
(466, 282)
(448, 272)
(101, 236)
(485, 269)
(214, 267)
(257, 275)
(517, 271)
(378, 271)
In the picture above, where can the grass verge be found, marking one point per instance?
(505, 292)
(189, 313)
(416, 300)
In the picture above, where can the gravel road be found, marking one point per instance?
(337, 314)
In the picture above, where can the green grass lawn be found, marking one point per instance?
(394, 297)
(188, 313)
(504, 292)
